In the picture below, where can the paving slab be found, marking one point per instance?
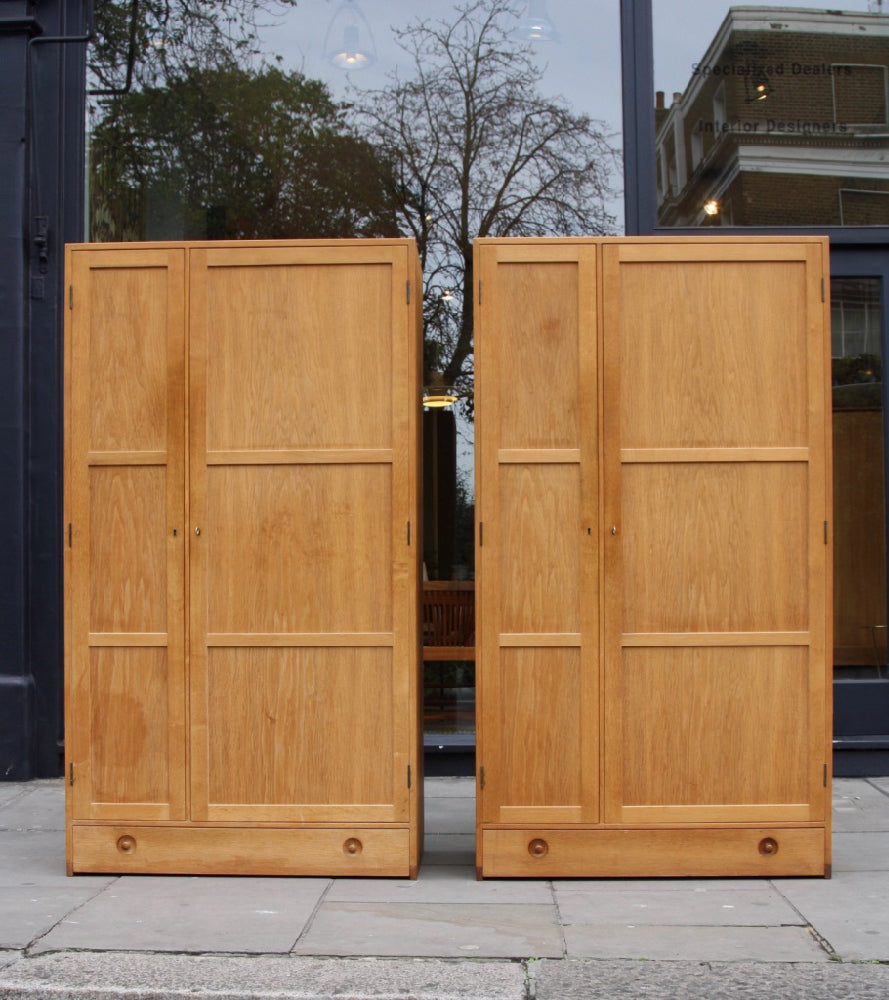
(37, 857)
(450, 815)
(860, 852)
(41, 806)
(26, 915)
(598, 980)
(757, 905)
(441, 884)
(859, 806)
(85, 976)
(849, 911)
(185, 914)
(880, 783)
(433, 930)
(10, 791)
(698, 944)
(449, 849)
(448, 788)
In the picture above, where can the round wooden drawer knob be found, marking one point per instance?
(538, 848)
(352, 846)
(126, 844)
(768, 846)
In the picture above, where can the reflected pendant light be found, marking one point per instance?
(536, 25)
(349, 42)
(437, 395)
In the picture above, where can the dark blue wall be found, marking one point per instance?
(42, 90)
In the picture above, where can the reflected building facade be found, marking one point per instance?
(784, 122)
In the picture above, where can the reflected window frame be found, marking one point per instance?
(640, 162)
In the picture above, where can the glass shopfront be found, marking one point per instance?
(350, 118)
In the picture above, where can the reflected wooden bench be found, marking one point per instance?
(448, 620)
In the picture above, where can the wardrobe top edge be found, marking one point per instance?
(626, 240)
(233, 244)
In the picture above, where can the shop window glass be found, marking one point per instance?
(277, 119)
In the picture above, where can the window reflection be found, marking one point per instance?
(782, 119)
(342, 118)
(860, 634)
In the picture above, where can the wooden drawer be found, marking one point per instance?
(195, 850)
(763, 852)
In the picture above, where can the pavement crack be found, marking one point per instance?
(28, 950)
(311, 917)
(882, 791)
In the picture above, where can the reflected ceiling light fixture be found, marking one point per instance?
(447, 295)
(437, 395)
(537, 26)
(349, 42)
(758, 88)
(711, 207)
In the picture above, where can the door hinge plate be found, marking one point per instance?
(71, 773)
(481, 777)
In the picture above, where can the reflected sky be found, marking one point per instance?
(583, 65)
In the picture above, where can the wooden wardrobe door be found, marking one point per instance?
(536, 412)
(717, 575)
(303, 533)
(124, 514)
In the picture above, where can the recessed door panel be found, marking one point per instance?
(712, 734)
(278, 719)
(299, 548)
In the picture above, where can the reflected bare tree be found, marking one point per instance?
(478, 150)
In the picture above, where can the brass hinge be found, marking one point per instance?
(479, 291)
(408, 291)
(823, 292)
(408, 776)
(71, 773)
(69, 534)
(481, 777)
(409, 532)
(825, 775)
(826, 533)
(481, 534)
(70, 296)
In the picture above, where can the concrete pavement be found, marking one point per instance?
(444, 935)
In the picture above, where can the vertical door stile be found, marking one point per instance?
(487, 338)
(612, 527)
(196, 543)
(588, 530)
(177, 567)
(403, 515)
